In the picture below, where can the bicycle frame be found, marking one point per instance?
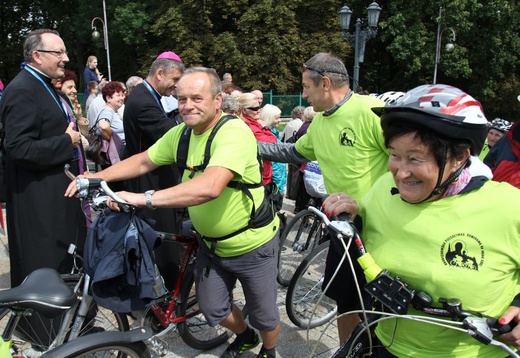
(168, 316)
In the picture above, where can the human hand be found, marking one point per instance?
(72, 189)
(512, 314)
(74, 135)
(77, 110)
(134, 199)
(337, 203)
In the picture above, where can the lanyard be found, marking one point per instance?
(154, 94)
(52, 93)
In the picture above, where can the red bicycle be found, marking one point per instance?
(179, 308)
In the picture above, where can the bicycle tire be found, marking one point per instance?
(300, 237)
(110, 350)
(195, 331)
(304, 292)
(97, 319)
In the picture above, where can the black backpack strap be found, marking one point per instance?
(182, 148)
(184, 142)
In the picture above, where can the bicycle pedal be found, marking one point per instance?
(158, 346)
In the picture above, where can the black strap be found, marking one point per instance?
(182, 155)
(184, 143)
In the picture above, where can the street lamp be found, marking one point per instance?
(95, 35)
(449, 46)
(360, 36)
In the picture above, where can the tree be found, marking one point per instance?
(264, 42)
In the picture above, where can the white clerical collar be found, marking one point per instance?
(37, 70)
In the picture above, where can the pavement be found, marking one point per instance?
(293, 341)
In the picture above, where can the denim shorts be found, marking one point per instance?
(256, 271)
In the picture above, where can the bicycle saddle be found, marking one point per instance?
(42, 291)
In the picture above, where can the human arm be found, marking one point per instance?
(104, 129)
(132, 167)
(37, 136)
(281, 152)
(203, 188)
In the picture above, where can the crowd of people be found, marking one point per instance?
(404, 165)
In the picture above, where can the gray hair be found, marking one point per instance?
(226, 76)
(309, 114)
(101, 85)
(33, 41)
(215, 83)
(326, 64)
(230, 104)
(166, 65)
(297, 112)
(132, 81)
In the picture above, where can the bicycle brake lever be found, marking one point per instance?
(478, 328)
(342, 224)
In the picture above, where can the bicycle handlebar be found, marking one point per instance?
(94, 188)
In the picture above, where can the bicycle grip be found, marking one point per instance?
(343, 217)
(88, 183)
(501, 328)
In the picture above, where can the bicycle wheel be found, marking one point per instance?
(195, 331)
(299, 238)
(126, 350)
(41, 331)
(305, 291)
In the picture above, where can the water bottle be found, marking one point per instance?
(158, 288)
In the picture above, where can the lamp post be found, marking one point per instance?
(95, 35)
(449, 46)
(360, 36)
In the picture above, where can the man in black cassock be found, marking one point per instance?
(40, 138)
(145, 121)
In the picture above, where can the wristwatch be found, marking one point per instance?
(148, 199)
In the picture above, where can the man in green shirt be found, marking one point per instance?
(217, 210)
(347, 141)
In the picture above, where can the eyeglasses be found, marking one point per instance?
(58, 54)
(322, 73)
(257, 108)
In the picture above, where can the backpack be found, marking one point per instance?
(97, 151)
(95, 143)
(261, 216)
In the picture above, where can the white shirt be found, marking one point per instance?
(95, 107)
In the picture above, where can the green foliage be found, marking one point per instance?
(264, 42)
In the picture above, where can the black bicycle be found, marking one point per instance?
(387, 297)
(302, 234)
(44, 292)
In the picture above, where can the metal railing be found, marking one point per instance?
(285, 102)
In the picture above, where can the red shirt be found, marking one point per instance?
(262, 134)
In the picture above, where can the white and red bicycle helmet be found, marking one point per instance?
(445, 109)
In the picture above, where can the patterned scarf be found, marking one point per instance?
(457, 185)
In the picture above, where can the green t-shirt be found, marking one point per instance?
(465, 246)
(485, 151)
(234, 147)
(348, 145)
